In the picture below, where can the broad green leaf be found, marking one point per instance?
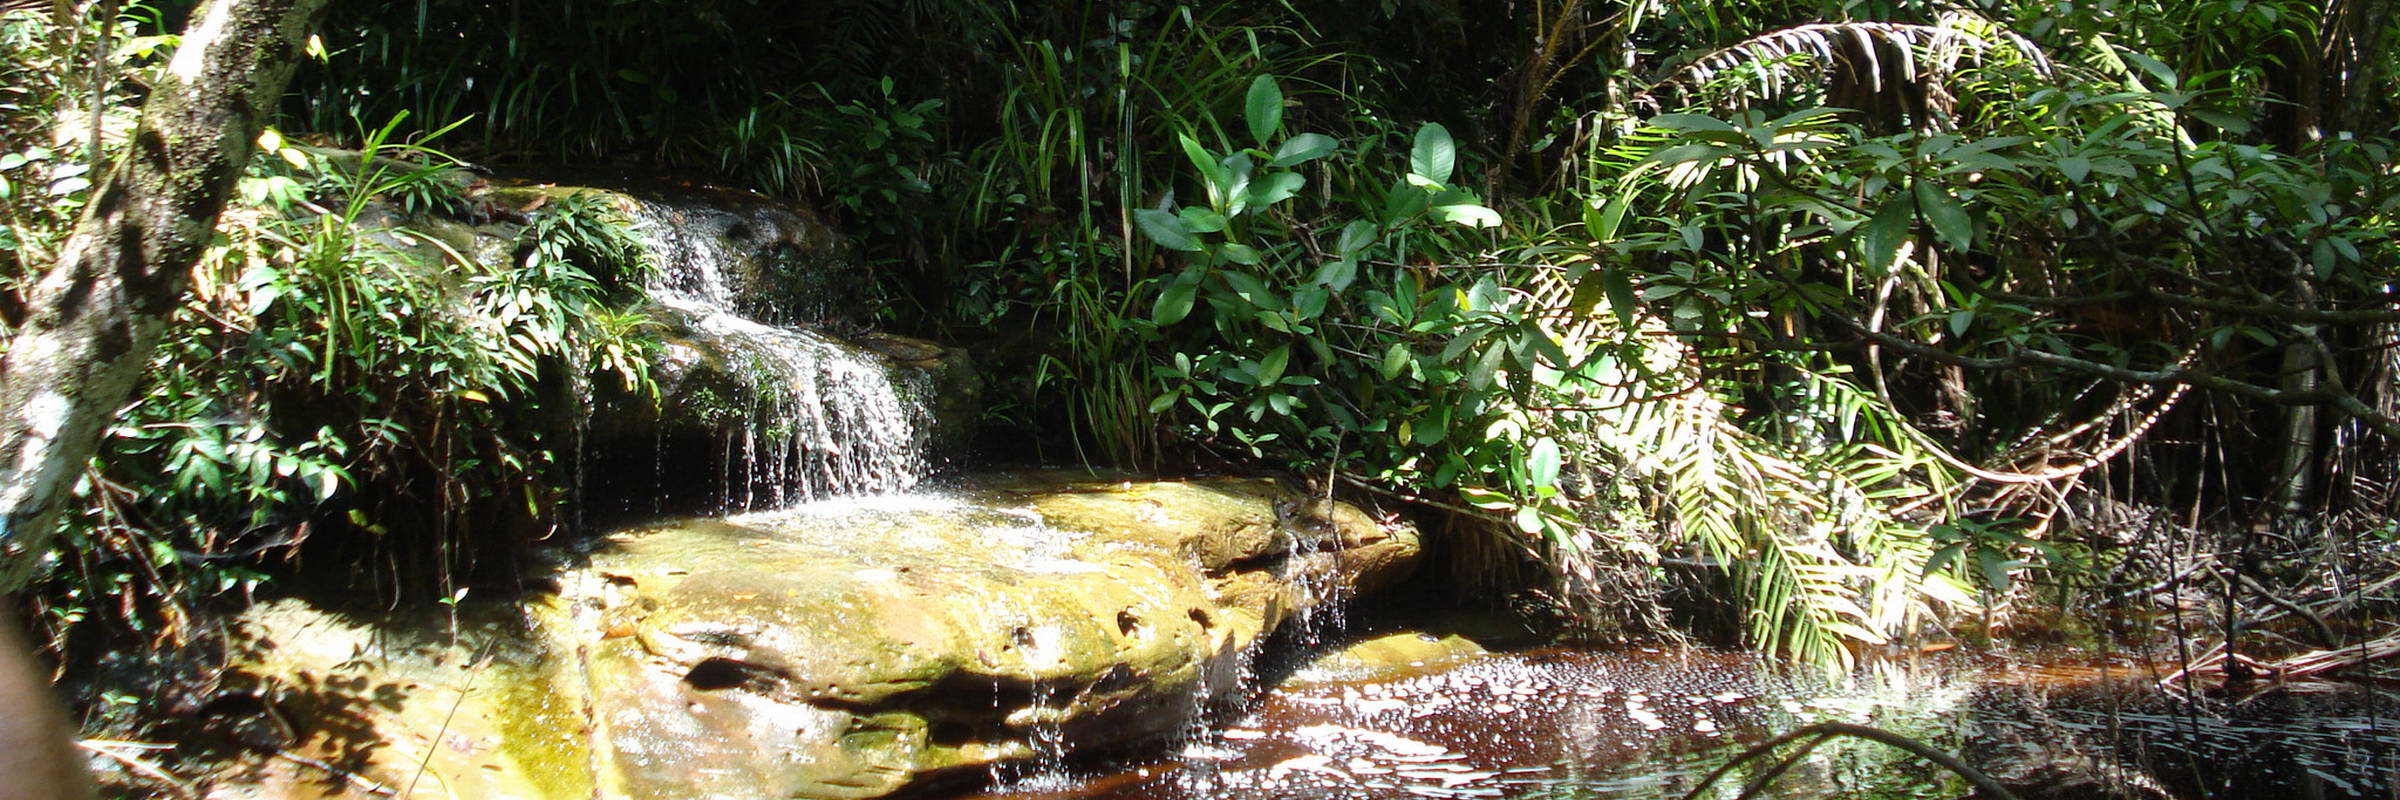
(1395, 360)
(1995, 568)
(1356, 235)
(1433, 426)
(1602, 221)
(1941, 558)
(1252, 289)
(1270, 369)
(1541, 465)
(1264, 109)
(1402, 201)
(1621, 298)
(2076, 168)
(1435, 155)
(1239, 253)
(1303, 148)
(2165, 74)
(1201, 220)
(1470, 214)
(1309, 301)
(2225, 122)
(1588, 293)
(1481, 376)
(1545, 346)
(1209, 172)
(1336, 274)
(1275, 189)
(1168, 230)
(1886, 232)
(1485, 499)
(1232, 189)
(1950, 222)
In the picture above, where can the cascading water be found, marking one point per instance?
(799, 415)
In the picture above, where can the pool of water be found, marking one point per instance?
(1652, 724)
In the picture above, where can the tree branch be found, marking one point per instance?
(2323, 395)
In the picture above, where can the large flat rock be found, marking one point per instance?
(852, 649)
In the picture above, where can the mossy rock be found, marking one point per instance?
(834, 651)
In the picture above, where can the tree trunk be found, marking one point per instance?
(37, 755)
(94, 318)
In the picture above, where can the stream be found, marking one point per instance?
(1556, 723)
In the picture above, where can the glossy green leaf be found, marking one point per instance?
(2076, 168)
(1950, 222)
(1542, 465)
(1276, 188)
(1435, 155)
(1486, 367)
(1621, 297)
(1601, 221)
(1303, 148)
(1995, 568)
(1336, 274)
(1432, 427)
(1250, 288)
(1210, 173)
(1546, 347)
(1201, 220)
(1270, 369)
(1167, 229)
(1356, 236)
(2165, 74)
(1264, 109)
(1402, 201)
(1395, 360)
(1886, 232)
(1470, 214)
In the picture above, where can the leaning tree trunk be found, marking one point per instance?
(94, 318)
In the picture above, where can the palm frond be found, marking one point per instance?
(1894, 53)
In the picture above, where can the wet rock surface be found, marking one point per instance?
(850, 649)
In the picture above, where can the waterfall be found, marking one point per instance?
(749, 289)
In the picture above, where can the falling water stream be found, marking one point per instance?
(824, 418)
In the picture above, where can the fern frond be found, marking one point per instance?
(1796, 55)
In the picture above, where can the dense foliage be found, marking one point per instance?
(1821, 320)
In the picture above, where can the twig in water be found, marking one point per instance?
(474, 666)
(109, 748)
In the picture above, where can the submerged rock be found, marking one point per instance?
(839, 650)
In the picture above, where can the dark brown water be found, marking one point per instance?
(1580, 724)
